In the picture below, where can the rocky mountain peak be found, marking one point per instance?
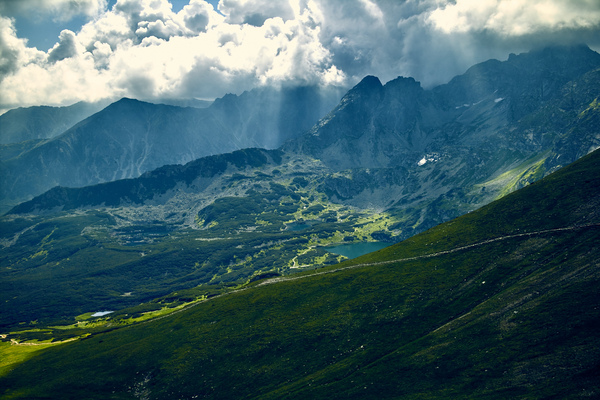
(124, 101)
(526, 80)
(368, 83)
(388, 125)
(402, 83)
(369, 92)
(372, 124)
(574, 59)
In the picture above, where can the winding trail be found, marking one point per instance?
(14, 342)
(399, 260)
(431, 255)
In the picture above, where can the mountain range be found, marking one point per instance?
(46, 122)
(423, 155)
(209, 242)
(387, 162)
(42, 122)
(396, 124)
(130, 137)
(411, 157)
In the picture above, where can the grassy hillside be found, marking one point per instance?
(500, 303)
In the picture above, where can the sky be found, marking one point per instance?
(58, 52)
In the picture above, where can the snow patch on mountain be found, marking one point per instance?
(428, 158)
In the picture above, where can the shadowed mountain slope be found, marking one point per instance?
(151, 185)
(43, 122)
(500, 303)
(396, 124)
(131, 137)
(431, 155)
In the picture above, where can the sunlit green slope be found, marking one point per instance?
(500, 303)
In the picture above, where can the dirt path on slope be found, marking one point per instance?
(437, 254)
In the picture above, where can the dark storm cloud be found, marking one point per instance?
(434, 40)
(67, 47)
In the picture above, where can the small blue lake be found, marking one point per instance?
(353, 250)
(101, 313)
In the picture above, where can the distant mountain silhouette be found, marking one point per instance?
(43, 122)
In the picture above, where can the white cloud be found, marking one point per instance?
(516, 17)
(197, 15)
(255, 12)
(13, 51)
(142, 48)
(66, 81)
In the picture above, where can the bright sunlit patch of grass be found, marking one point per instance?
(11, 355)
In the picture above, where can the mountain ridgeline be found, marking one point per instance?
(43, 122)
(397, 123)
(151, 185)
(130, 137)
(500, 303)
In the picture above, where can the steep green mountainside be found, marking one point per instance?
(499, 303)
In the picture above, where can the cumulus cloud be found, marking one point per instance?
(255, 12)
(14, 52)
(197, 15)
(11, 47)
(516, 17)
(142, 48)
